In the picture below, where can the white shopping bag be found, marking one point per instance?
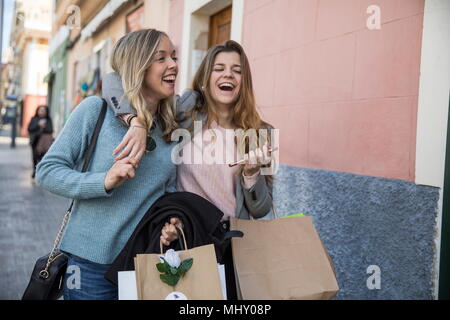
(128, 290)
(223, 283)
(127, 285)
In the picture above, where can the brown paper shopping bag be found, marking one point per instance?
(201, 282)
(282, 259)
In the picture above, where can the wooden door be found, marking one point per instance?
(220, 27)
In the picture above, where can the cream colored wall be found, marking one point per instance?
(156, 14)
(433, 94)
(115, 29)
(35, 68)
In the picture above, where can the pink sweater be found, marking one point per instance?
(212, 181)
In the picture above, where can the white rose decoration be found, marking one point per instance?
(172, 258)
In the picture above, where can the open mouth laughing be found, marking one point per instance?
(170, 79)
(226, 86)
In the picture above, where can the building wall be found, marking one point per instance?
(175, 32)
(351, 93)
(58, 103)
(156, 14)
(432, 122)
(83, 50)
(433, 94)
(345, 99)
(35, 68)
(30, 41)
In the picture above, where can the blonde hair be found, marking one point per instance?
(131, 57)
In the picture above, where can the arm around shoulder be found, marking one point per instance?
(114, 94)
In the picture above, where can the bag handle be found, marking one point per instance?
(274, 209)
(90, 150)
(179, 230)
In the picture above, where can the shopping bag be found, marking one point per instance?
(281, 259)
(126, 285)
(128, 290)
(201, 282)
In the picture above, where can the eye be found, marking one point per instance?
(237, 71)
(174, 58)
(160, 58)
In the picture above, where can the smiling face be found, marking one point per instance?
(225, 79)
(159, 80)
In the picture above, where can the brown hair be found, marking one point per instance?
(245, 115)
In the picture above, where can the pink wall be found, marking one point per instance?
(176, 30)
(344, 97)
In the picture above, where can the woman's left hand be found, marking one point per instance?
(255, 159)
(133, 144)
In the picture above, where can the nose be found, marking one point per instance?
(172, 63)
(227, 73)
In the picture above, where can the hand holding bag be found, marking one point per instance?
(46, 281)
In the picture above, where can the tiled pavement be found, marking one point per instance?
(29, 218)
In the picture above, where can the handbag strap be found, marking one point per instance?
(90, 150)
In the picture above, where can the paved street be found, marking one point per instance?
(29, 218)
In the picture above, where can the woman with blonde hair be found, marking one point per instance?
(112, 197)
(222, 100)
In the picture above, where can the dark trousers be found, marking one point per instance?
(37, 157)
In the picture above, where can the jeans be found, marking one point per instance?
(84, 280)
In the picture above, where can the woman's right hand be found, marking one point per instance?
(169, 231)
(134, 142)
(121, 171)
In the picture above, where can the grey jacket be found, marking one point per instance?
(256, 201)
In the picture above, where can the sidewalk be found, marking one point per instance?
(29, 218)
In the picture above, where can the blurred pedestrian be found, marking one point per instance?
(40, 131)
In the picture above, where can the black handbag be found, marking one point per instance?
(46, 281)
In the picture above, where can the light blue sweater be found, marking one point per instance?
(101, 222)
